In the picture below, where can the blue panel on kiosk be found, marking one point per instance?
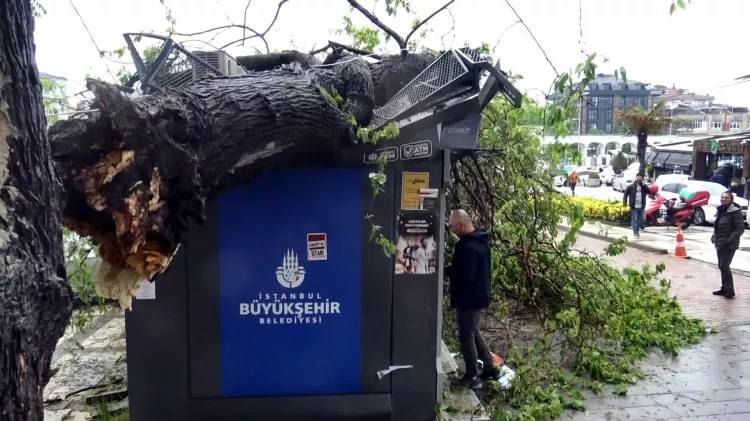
(290, 325)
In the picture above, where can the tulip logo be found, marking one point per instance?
(290, 274)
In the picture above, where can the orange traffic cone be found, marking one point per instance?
(680, 250)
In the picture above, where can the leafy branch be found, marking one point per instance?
(678, 4)
(362, 34)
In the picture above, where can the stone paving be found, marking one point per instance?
(708, 381)
(691, 282)
(663, 239)
(89, 367)
(697, 238)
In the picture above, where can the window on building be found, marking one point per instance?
(697, 124)
(605, 102)
(609, 127)
(716, 124)
(592, 126)
(608, 115)
(594, 100)
(591, 115)
(643, 102)
(736, 124)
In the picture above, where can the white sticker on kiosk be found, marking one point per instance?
(147, 291)
(317, 246)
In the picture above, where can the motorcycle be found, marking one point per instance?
(671, 212)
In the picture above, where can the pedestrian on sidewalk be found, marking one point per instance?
(728, 229)
(572, 181)
(635, 197)
(470, 293)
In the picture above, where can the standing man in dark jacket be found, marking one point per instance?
(728, 229)
(635, 197)
(470, 293)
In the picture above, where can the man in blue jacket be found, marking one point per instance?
(470, 293)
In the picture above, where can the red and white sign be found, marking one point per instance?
(317, 246)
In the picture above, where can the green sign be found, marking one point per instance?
(714, 146)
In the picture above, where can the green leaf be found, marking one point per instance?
(576, 404)
(560, 84)
(621, 389)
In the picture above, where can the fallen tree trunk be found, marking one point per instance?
(35, 300)
(137, 172)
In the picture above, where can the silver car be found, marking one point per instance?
(623, 180)
(590, 178)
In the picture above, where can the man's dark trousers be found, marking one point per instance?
(725, 260)
(472, 343)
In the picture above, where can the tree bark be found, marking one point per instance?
(35, 299)
(137, 173)
(141, 169)
(641, 151)
(389, 74)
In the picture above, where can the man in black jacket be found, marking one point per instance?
(728, 229)
(470, 293)
(635, 197)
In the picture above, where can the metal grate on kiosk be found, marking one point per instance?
(446, 70)
(452, 74)
(173, 66)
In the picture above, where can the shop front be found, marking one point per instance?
(724, 159)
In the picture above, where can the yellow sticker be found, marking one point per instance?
(411, 182)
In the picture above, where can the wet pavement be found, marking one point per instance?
(708, 381)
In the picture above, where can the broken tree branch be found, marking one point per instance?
(336, 45)
(217, 28)
(422, 22)
(261, 35)
(276, 16)
(244, 19)
(374, 19)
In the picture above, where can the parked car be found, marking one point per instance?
(583, 176)
(707, 213)
(592, 180)
(623, 180)
(607, 175)
(671, 178)
(560, 180)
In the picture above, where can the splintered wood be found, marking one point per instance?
(101, 174)
(138, 172)
(133, 218)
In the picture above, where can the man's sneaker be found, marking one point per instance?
(492, 373)
(729, 296)
(637, 235)
(470, 382)
(718, 292)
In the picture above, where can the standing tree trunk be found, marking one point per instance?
(641, 151)
(35, 299)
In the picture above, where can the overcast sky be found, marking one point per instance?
(702, 48)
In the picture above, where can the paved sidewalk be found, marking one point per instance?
(663, 239)
(708, 381)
